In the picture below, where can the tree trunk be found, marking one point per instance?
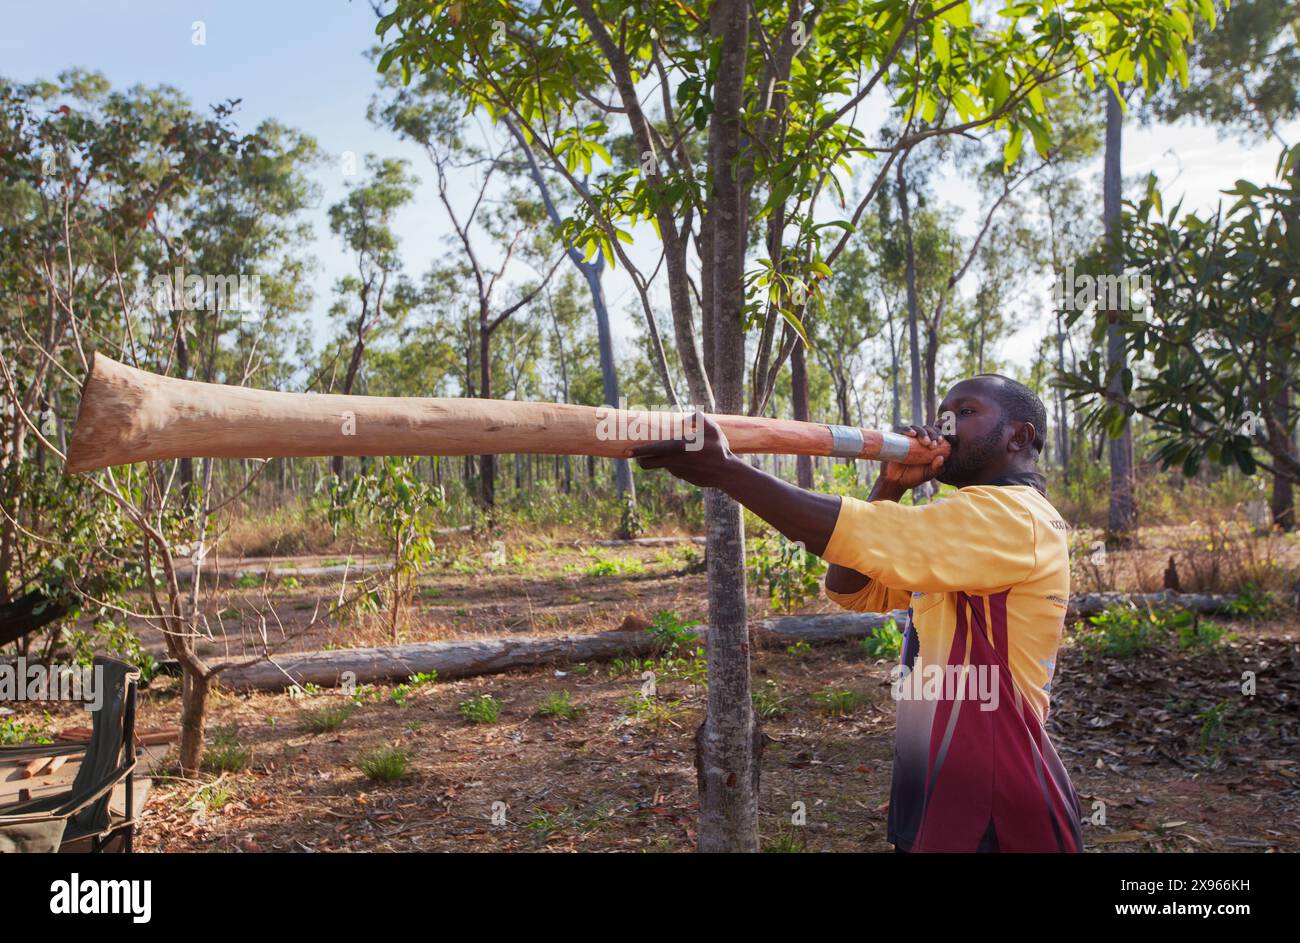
(1283, 503)
(1062, 432)
(194, 706)
(913, 303)
(1123, 513)
(893, 370)
(487, 464)
(799, 405)
(727, 761)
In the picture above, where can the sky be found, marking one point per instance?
(304, 64)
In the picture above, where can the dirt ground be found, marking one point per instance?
(1162, 747)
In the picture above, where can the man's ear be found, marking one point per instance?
(1022, 436)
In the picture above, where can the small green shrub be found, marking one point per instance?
(558, 704)
(326, 719)
(768, 701)
(224, 753)
(384, 764)
(1124, 631)
(837, 701)
(885, 642)
(483, 709)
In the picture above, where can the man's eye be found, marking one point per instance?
(966, 410)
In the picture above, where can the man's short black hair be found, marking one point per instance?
(1021, 404)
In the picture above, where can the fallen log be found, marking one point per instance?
(461, 658)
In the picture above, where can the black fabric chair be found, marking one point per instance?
(81, 819)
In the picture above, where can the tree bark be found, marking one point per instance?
(1122, 518)
(1283, 499)
(799, 405)
(726, 757)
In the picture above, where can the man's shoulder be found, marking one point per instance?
(1018, 500)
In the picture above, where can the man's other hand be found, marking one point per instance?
(909, 476)
(704, 460)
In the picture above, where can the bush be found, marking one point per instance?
(326, 719)
(224, 753)
(483, 709)
(837, 701)
(558, 704)
(384, 764)
(885, 642)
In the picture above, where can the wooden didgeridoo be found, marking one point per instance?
(128, 415)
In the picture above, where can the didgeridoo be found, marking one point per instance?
(128, 415)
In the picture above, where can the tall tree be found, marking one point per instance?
(365, 300)
(1122, 517)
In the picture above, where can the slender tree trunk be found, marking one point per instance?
(913, 303)
(487, 464)
(799, 406)
(350, 378)
(727, 761)
(1283, 502)
(923, 491)
(1062, 432)
(194, 706)
(893, 369)
(183, 371)
(593, 273)
(1123, 512)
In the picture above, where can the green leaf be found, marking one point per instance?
(1011, 150)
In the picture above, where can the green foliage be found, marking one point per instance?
(837, 701)
(117, 639)
(402, 693)
(212, 796)
(1220, 335)
(799, 649)
(328, 718)
(481, 709)
(1202, 634)
(1124, 631)
(13, 730)
(1215, 729)
(1254, 603)
(791, 574)
(395, 501)
(768, 701)
(384, 764)
(654, 712)
(618, 566)
(885, 642)
(224, 753)
(539, 65)
(558, 704)
(787, 842)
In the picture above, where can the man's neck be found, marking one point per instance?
(1029, 476)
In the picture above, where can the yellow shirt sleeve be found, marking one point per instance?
(874, 597)
(978, 540)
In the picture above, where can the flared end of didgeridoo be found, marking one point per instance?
(104, 416)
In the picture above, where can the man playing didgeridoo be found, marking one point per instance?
(985, 576)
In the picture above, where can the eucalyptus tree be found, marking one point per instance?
(368, 300)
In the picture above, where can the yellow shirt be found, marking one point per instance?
(985, 575)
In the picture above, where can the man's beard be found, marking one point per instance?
(969, 458)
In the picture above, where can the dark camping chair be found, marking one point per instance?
(82, 818)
